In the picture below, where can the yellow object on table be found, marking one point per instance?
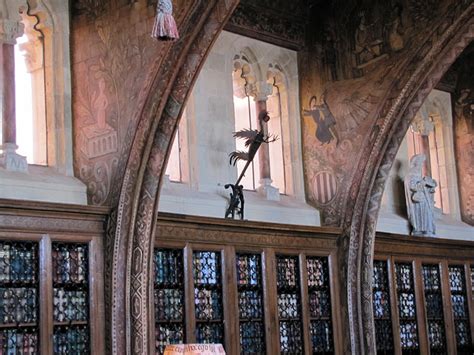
(194, 349)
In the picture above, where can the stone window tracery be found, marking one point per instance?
(431, 134)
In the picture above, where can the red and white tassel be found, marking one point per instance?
(165, 26)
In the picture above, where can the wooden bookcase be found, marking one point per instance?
(273, 299)
(429, 303)
(51, 278)
(254, 287)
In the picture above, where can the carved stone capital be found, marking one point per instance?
(10, 30)
(12, 161)
(10, 20)
(261, 91)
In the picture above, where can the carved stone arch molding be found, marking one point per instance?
(131, 229)
(429, 62)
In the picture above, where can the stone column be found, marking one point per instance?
(261, 94)
(10, 29)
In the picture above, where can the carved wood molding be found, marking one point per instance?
(209, 230)
(417, 79)
(39, 217)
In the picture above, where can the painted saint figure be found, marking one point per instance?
(419, 193)
(324, 119)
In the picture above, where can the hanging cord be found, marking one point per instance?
(165, 28)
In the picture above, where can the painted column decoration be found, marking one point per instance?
(261, 93)
(10, 29)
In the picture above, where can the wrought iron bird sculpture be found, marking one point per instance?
(253, 140)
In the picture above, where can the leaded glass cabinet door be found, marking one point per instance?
(251, 307)
(405, 288)
(289, 305)
(71, 298)
(208, 305)
(168, 298)
(432, 289)
(19, 294)
(319, 298)
(381, 308)
(457, 285)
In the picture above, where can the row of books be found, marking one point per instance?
(18, 305)
(252, 338)
(316, 272)
(18, 263)
(206, 268)
(14, 342)
(248, 269)
(210, 333)
(168, 334)
(70, 264)
(71, 340)
(169, 304)
(208, 304)
(69, 305)
(291, 338)
(288, 306)
(321, 336)
(319, 305)
(250, 304)
(287, 268)
(168, 267)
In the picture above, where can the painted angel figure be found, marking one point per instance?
(324, 119)
(419, 192)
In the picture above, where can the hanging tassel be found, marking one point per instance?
(165, 27)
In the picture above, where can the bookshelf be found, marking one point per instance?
(289, 304)
(381, 307)
(251, 305)
(51, 278)
(319, 305)
(406, 307)
(169, 298)
(431, 276)
(459, 302)
(208, 304)
(19, 290)
(70, 298)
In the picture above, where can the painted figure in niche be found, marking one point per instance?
(100, 138)
(367, 46)
(396, 31)
(324, 119)
(419, 193)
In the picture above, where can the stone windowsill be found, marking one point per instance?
(42, 183)
(180, 198)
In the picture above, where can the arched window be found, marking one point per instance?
(245, 115)
(431, 134)
(176, 167)
(277, 108)
(31, 135)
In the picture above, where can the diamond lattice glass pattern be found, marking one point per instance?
(381, 304)
(208, 297)
(289, 305)
(168, 297)
(457, 283)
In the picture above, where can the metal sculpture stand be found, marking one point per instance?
(253, 140)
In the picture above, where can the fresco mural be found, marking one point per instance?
(346, 70)
(463, 110)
